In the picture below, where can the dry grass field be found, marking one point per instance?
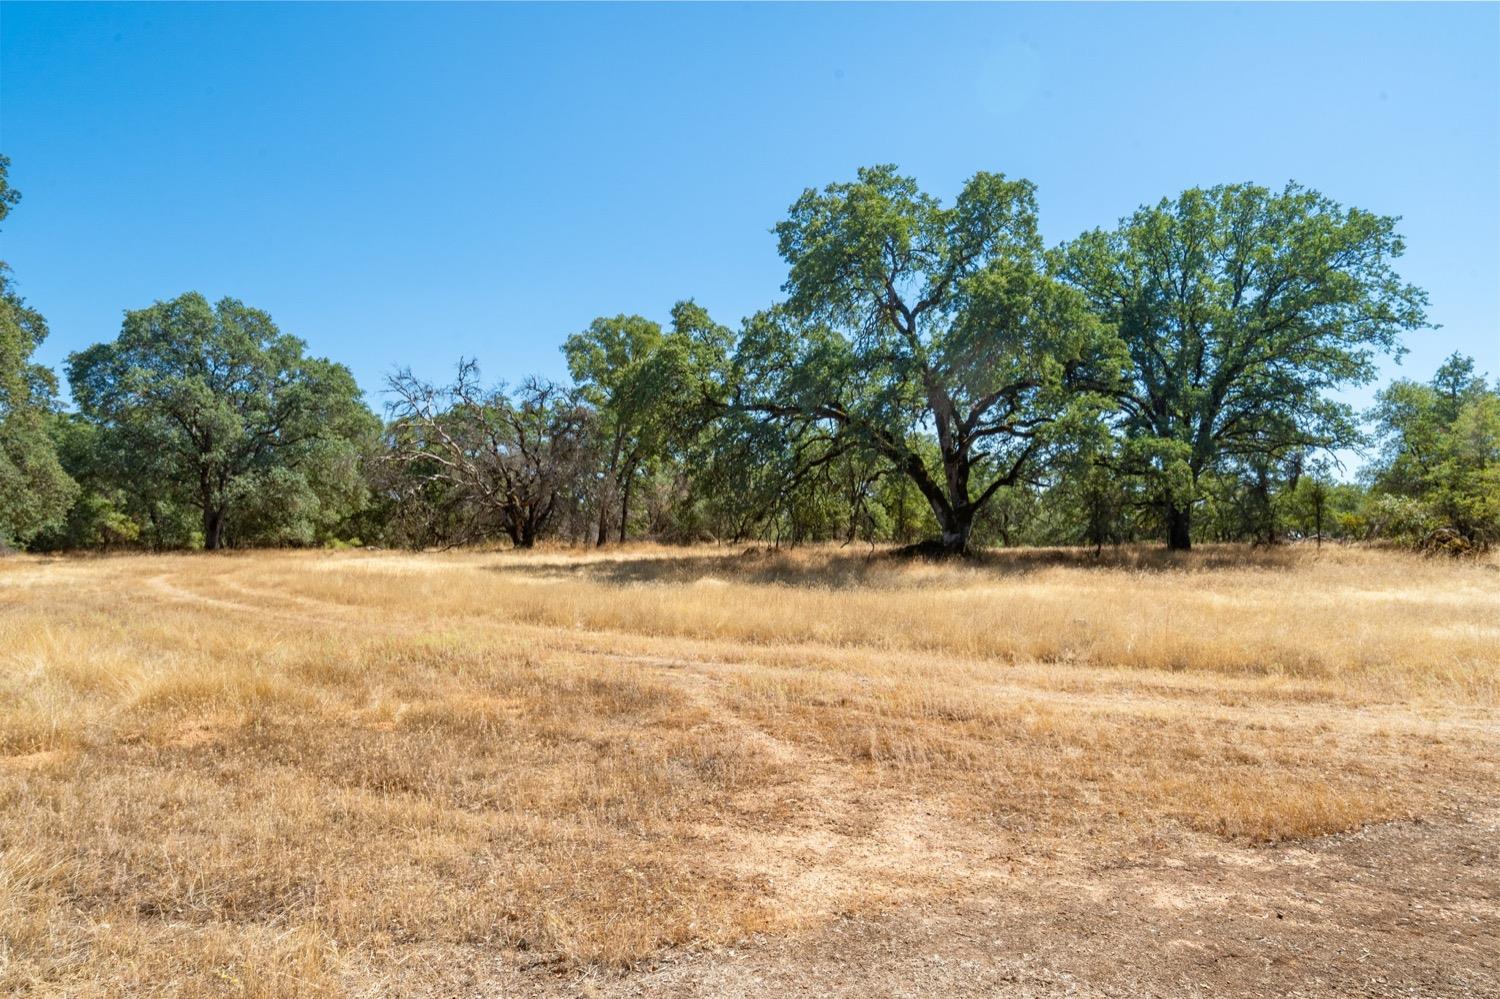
(720, 773)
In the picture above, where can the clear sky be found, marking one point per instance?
(401, 185)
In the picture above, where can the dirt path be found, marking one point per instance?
(1406, 909)
(1403, 910)
(826, 851)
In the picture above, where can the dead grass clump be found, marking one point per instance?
(1273, 808)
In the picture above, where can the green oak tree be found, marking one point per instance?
(232, 416)
(1241, 307)
(1441, 453)
(648, 387)
(907, 320)
(608, 361)
(1315, 504)
(35, 491)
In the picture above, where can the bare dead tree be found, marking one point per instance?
(505, 462)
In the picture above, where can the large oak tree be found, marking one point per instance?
(230, 411)
(1241, 308)
(907, 321)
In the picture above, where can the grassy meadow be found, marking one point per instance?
(375, 773)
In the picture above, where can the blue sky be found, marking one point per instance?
(402, 185)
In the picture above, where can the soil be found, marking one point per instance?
(1402, 909)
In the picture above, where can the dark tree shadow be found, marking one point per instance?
(854, 567)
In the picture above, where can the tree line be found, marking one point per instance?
(933, 373)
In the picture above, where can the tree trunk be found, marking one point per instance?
(613, 479)
(956, 526)
(1179, 527)
(1267, 516)
(213, 529)
(512, 524)
(625, 504)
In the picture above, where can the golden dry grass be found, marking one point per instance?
(315, 774)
